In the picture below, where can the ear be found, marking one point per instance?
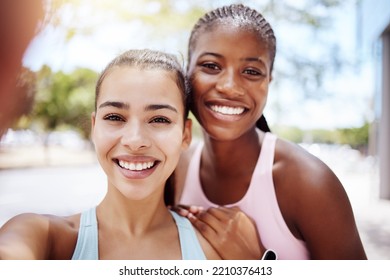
(93, 121)
(187, 134)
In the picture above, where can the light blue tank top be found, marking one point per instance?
(87, 240)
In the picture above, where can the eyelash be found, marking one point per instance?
(116, 118)
(160, 120)
(214, 67)
(210, 65)
(113, 118)
(252, 72)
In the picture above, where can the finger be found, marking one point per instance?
(231, 216)
(223, 213)
(183, 206)
(192, 208)
(196, 209)
(207, 232)
(181, 211)
(206, 217)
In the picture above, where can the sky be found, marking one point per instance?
(349, 105)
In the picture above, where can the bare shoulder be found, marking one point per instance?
(303, 176)
(182, 168)
(299, 163)
(209, 251)
(35, 236)
(315, 204)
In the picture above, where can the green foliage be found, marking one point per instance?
(167, 24)
(65, 99)
(356, 137)
(323, 136)
(293, 134)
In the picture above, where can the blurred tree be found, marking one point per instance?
(293, 134)
(357, 137)
(161, 19)
(65, 99)
(168, 22)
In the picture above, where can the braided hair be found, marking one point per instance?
(241, 16)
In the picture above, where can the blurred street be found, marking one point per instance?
(66, 187)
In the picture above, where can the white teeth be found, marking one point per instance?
(135, 166)
(227, 110)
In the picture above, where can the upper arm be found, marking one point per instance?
(327, 220)
(322, 212)
(24, 237)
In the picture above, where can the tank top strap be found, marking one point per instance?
(189, 243)
(267, 154)
(87, 239)
(197, 155)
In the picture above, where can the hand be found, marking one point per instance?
(186, 210)
(230, 231)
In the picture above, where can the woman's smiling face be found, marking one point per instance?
(138, 129)
(229, 72)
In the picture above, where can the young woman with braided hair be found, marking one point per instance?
(298, 205)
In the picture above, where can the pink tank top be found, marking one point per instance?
(259, 202)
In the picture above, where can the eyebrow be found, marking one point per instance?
(125, 106)
(116, 104)
(210, 53)
(255, 59)
(154, 107)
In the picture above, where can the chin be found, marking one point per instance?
(222, 134)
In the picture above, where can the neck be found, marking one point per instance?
(229, 156)
(227, 167)
(133, 216)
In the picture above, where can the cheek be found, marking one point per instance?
(199, 84)
(199, 88)
(260, 96)
(102, 139)
(171, 142)
(260, 92)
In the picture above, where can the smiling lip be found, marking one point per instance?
(227, 110)
(231, 112)
(136, 167)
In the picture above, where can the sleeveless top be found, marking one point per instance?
(259, 202)
(87, 240)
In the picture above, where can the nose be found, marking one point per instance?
(228, 83)
(135, 136)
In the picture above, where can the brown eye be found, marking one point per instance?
(113, 117)
(253, 72)
(210, 67)
(161, 120)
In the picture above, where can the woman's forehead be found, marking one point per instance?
(223, 31)
(132, 80)
(225, 37)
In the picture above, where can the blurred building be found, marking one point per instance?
(374, 26)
